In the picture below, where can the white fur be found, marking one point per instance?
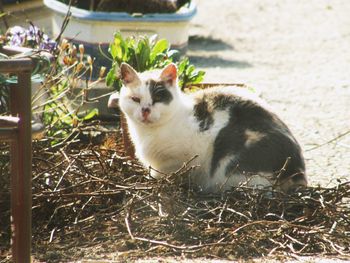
(172, 136)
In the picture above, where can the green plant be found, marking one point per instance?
(20, 37)
(188, 73)
(147, 53)
(62, 113)
(55, 103)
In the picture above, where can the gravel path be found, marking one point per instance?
(297, 54)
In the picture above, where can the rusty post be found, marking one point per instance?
(17, 130)
(21, 166)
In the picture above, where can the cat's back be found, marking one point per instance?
(231, 99)
(252, 140)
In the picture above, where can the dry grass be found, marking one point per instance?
(89, 201)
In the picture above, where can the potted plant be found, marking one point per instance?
(93, 23)
(19, 42)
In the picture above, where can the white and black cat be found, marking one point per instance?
(237, 139)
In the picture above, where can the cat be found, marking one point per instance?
(238, 140)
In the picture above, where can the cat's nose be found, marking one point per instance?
(145, 112)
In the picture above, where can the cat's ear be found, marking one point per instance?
(169, 74)
(128, 75)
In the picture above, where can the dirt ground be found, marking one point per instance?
(297, 54)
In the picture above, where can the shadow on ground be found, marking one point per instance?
(196, 43)
(216, 61)
(199, 44)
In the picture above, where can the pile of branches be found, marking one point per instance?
(89, 195)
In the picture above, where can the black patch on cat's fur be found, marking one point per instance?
(268, 154)
(159, 92)
(203, 114)
(297, 178)
(204, 109)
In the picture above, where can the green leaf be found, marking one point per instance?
(116, 47)
(92, 113)
(197, 77)
(189, 70)
(143, 54)
(182, 65)
(129, 46)
(132, 59)
(160, 46)
(112, 50)
(111, 77)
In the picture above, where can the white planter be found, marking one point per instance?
(99, 27)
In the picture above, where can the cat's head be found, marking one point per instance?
(149, 98)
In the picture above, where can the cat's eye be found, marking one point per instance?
(136, 99)
(157, 97)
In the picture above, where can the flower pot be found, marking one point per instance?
(95, 29)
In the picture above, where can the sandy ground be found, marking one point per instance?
(297, 54)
